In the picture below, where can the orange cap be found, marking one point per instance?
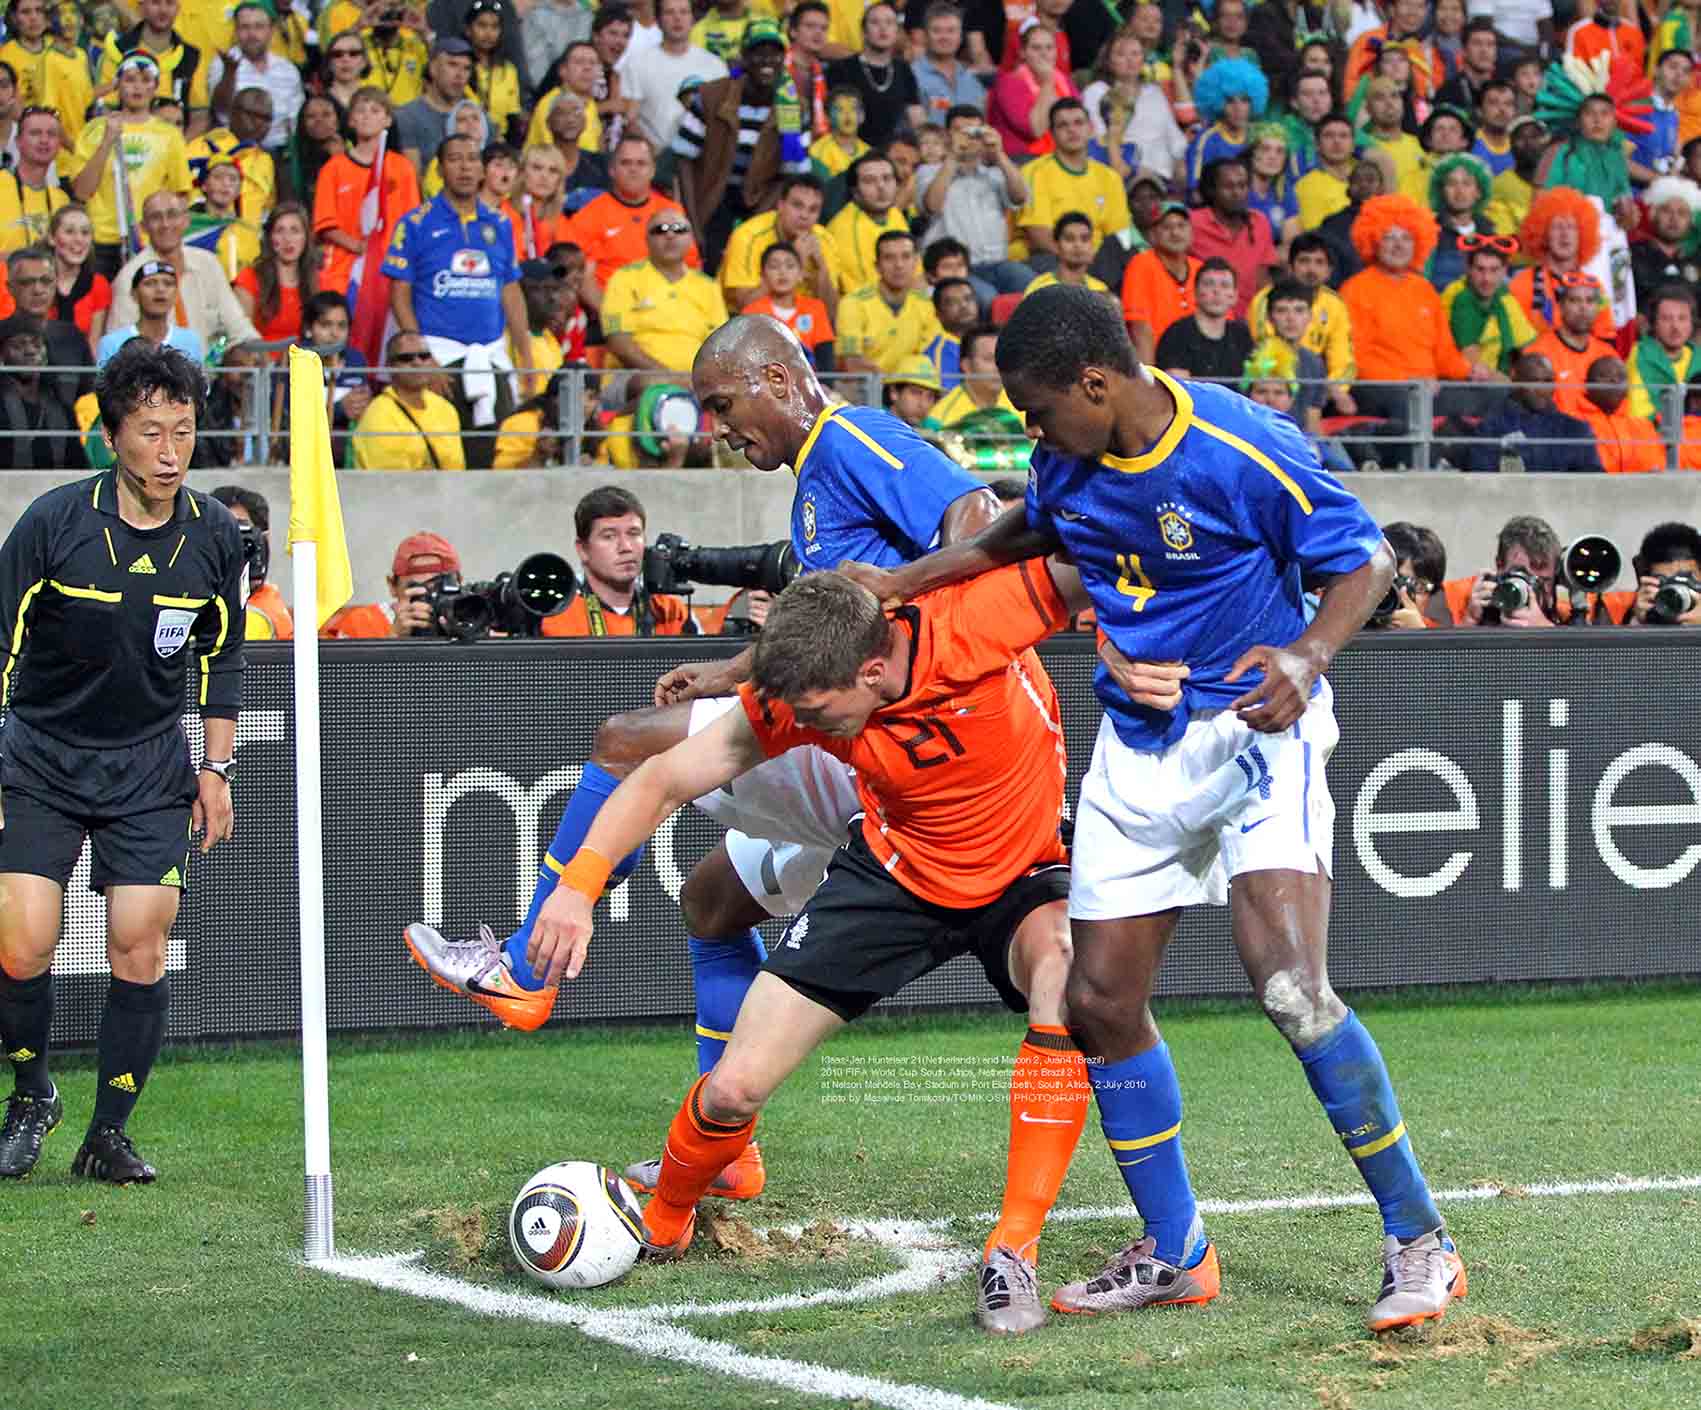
(424, 553)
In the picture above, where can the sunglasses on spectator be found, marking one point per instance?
(1501, 244)
(403, 358)
(671, 227)
(1577, 279)
(348, 53)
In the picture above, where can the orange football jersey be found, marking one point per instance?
(961, 779)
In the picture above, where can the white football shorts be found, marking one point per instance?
(1156, 830)
(784, 819)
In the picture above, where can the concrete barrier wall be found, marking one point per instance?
(495, 519)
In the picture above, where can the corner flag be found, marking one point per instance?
(315, 512)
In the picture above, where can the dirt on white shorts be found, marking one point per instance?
(1159, 830)
(784, 819)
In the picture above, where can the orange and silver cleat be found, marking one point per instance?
(743, 1179)
(476, 969)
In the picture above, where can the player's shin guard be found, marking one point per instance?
(1347, 1073)
(1048, 1107)
(132, 1028)
(1140, 1110)
(596, 786)
(722, 972)
(26, 1016)
(698, 1148)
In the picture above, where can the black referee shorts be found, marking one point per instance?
(132, 802)
(862, 937)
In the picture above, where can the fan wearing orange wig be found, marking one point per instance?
(1399, 333)
(1561, 234)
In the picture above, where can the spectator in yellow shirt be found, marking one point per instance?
(833, 152)
(981, 388)
(1328, 329)
(49, 75)
(793, 221)
(1323, 190)
(1068, 180)
(885, 325)
(409, 426)
(873, 184)
(657, 312)
(1072, 234)
(721, 31)
(494, 81)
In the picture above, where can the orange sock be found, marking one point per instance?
(1049, 1093)
(698, 1149)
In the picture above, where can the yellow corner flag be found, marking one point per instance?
(315, 512)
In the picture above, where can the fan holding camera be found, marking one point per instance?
(617, 598)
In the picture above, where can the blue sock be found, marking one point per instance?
(596, 786)
(1349, 1077)
(1140, 1110)
(722, 972)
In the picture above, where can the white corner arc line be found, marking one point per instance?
(927, 1261)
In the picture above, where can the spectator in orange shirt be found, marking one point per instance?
(613, 228)
(1627, 444)
(1571, 345)
(1399, 334)
(420, 559)
(612, 601)
(1606, 33)
(1527, 545)
(1561, 234)
(341, 189)
(782, 273)
(1158, 285)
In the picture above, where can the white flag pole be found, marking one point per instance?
(310, 861)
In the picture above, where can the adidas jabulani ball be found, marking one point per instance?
(575, 1225)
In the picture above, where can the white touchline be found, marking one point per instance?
(927, 1260)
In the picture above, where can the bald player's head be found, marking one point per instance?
(753, 376)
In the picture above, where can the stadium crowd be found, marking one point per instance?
(1326, 205)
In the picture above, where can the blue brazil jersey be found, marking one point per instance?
(457, 269)
(869, 488)
(1200, 547)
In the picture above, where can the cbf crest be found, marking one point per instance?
(1172, 524)
(809, 521)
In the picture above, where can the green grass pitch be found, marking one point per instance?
(192, 1294)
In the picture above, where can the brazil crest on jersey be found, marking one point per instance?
(1200, 547)
(870, 489)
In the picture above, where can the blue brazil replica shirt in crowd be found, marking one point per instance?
(870, 489)
(1201, 546)
(457, 269)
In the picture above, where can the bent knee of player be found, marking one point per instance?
(1302, 1005)
(713, 901)
(1039, 959)
(734, 1092)
(1103, 1009)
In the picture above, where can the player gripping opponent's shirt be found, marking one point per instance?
(1197, 520)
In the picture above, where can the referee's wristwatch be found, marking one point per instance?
(221, 767)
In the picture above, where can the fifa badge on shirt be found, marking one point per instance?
(171, 631)
(1177, 532)
(809, 520)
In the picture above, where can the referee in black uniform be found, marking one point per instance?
(102, 584)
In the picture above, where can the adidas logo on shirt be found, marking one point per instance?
(144, 564)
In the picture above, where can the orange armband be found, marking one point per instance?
(587, 874)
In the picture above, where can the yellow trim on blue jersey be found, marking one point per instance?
(1375, 1147)
(1143, 1142)
(869, 441)
(1171, 438)
(703, 1032)
(1251, 452)
(553, 865)
(814, 434)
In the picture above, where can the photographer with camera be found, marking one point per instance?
(421, 558)
(1668, 578)
(1522, 589)
(1420, 566)
(268, 617)
(614, 600)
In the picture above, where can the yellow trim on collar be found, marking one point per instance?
(1166, 444)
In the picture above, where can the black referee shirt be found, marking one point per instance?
(96, 616)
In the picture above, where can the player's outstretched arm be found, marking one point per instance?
(655, 790)
(1280, 698)
(1008, 539)
(703, 680)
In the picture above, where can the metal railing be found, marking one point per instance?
(1409, 440)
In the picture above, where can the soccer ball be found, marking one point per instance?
(576, 1225)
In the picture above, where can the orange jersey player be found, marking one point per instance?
(954, 734)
